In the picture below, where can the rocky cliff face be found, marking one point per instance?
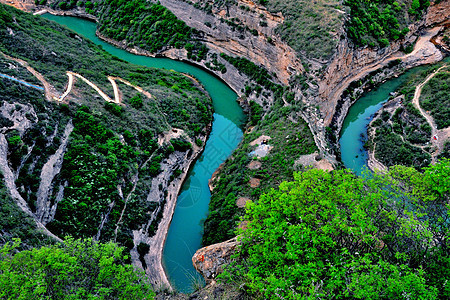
(209, 261)
(246, 29)
(438, 14)
(325, 90)
(349, 65)
(235, 29)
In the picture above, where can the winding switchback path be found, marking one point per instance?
(112, 80)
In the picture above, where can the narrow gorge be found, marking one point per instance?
(167, 126)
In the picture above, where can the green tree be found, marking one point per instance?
(77, 269)
(415, 5)
(136, 101)
(334, 234)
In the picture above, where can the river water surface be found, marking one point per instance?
(185, 232)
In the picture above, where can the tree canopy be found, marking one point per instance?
(77, 269)
(334, 235)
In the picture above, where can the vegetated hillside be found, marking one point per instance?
(138, 23)
(147, 25)
(401, 135)
(77, 269)
(375, 23)
(246, 176)
(89, 6)
(332, 235)
(435, 98)
(85, 167)
(311, 28)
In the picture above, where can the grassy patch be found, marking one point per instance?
(310, 27)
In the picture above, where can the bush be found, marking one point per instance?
(136, 101)
(114, 108)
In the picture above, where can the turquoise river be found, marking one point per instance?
(185, 232)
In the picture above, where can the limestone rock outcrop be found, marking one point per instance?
(209, 260)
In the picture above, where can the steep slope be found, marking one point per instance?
(80, 165)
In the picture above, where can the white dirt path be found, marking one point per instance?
(92, 85)
(137, 88)
(112, 80)
(69, 87)
(442, 134)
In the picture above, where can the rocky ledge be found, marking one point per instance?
(209, 261)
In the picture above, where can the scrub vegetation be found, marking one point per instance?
(310, 27)
(14, 223)
(258, 74)
(334, 235)
(77, 269)
(435, 98)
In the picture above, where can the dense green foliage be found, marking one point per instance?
(256, 113)
(375, 23)
(77, 269)
(112, 147)
(334, 235)
(289, 140)
(5, 17)
(147, 25)
(95, 164)
(435, 98)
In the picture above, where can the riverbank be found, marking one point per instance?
(233, 78)
(353, 138)
(155, 270)
(227, 122)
